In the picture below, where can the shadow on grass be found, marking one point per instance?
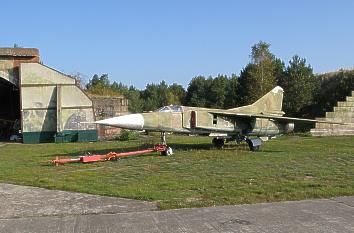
(186, 147)
(174, 146)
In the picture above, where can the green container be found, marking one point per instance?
(38, 137)
(77, 136)
(61, 137)
(66, 136)
(87, 136)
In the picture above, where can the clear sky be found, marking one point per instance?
(139, 42)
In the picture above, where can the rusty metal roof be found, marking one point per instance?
(19, 52)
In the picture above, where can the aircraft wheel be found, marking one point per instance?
(214, 141)
(167, 152)
(218, 143)
(251, 146)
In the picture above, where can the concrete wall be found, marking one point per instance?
(53, 105)
(107, 107)
(344, 113)
(10, 60)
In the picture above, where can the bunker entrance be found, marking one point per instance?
(10, 113)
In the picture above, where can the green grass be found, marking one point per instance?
(289, 168)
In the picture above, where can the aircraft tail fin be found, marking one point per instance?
(271, 103)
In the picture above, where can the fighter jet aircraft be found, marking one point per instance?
(253, 123)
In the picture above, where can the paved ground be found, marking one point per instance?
(23, 202)
(27, 209)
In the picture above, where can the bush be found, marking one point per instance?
(127, 135)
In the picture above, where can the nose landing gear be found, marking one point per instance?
(168, 151)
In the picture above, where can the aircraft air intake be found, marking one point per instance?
(270, 128)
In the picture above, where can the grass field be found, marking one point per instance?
(289, 168)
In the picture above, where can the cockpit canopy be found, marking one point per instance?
(170, 108)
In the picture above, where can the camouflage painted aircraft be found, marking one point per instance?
(253, 123)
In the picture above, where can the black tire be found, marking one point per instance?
(167, 152)
(256, 148)
(218, 143)
(250, 145)
(214, 141)
(249, 142)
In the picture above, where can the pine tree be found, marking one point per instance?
(300, 86)
(231, 95)
(197, 92)
(216, 96)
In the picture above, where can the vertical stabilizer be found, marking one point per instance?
(270, 104)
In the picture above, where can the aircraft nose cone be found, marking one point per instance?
(131, 121)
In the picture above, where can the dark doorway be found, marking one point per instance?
(10, 113)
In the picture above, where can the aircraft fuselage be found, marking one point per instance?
(192, 120)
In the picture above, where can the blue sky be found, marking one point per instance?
(139, 42)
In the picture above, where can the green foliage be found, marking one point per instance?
(218, 92)
(120, 88)
(162, 93)
(135, 101)
(218, 89)
(279, 69)
(300, 86)
(260, 53)
(127, 135)
(231, 95)
(157, 95)
(196, 92)
(100, 85)
(176, 94)
(247, 94)
(150, 97)
(258, 77)
(102, 81)
(132, 94)
(335, 87)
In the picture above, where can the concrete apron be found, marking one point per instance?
(27, 209)
(18, 201)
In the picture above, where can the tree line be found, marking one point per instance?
(306, 94)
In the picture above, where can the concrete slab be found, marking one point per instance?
(349, 201)
(322, 215)
(23, 201)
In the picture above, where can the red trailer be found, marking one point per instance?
(163, 149)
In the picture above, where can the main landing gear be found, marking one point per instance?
(168, 150)
(254, 144)
(218, 142)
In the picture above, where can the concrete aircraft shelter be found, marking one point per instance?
(48, 104)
